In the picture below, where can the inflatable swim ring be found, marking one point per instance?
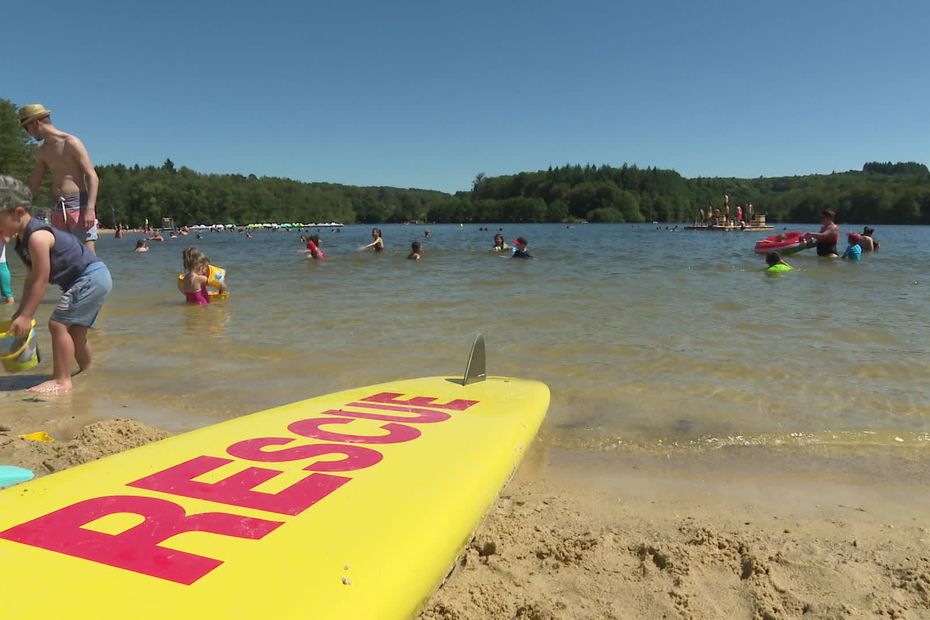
(216, 280)
(214, 295)
(785, 243)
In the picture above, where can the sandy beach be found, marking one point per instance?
(711, 535)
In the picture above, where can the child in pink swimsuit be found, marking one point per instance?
(194, 283)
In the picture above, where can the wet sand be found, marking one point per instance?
(724, 534)
(715, 536)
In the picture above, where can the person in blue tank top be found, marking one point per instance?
(57, 257)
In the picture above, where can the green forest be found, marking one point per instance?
(879, 193)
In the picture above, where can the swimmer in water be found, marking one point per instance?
(853, 250)
(499, 244)
(520, 252)
(415, 251)
(313, 247)
(776, 264)
(828, 235)
(378, 244)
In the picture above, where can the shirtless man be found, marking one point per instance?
(867, 243)
(74, 180)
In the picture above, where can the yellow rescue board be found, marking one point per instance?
(352, 505)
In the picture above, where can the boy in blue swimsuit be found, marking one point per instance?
(853, 250)
(57, 257)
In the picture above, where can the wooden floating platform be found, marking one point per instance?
(755, 228)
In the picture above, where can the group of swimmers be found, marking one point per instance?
(416, 248)
(200, 275)
(825, 241)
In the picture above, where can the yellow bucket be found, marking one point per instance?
(18, 354)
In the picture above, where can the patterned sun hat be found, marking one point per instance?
(13, 193)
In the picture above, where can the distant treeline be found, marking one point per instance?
(882, 193)
(133, 194)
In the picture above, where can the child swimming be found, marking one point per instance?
(776, 264)
(415, 251)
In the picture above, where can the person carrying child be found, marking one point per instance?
(867, 242)
(57, 257)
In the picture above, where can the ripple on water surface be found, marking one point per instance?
(646, 338)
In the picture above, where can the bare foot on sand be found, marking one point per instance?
(51, 387)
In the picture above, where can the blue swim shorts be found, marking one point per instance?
(81, 303)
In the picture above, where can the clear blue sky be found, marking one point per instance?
(429, 93)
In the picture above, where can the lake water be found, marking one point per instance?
(649, 340)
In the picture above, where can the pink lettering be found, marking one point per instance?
(137, 549)
(356, 457)
(390, 398)
(397, 433)
(423, 416)
(236, 490)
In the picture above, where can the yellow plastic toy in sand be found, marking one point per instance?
(18, 354)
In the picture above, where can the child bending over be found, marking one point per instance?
(57, 257)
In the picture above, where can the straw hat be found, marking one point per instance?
(32, 112)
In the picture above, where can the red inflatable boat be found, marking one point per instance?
(785, 243)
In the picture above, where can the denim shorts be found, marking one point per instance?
(81, 303)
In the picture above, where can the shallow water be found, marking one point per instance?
(646, 338)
